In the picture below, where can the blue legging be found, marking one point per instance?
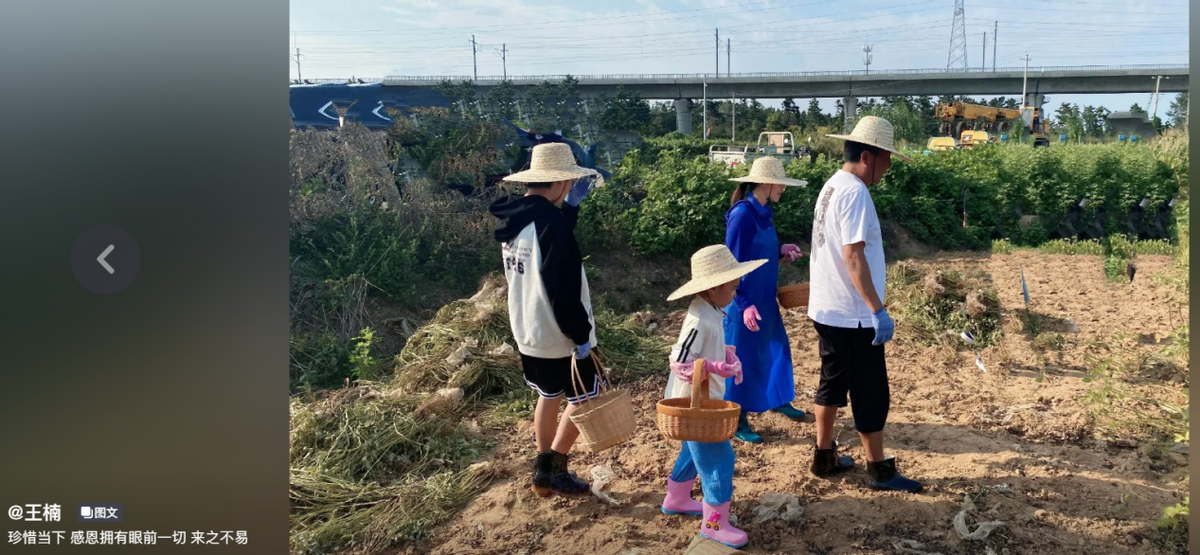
(713, 462)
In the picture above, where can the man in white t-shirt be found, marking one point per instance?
(846, 304)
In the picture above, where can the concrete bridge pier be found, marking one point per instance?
(850, 105)
(683, 116)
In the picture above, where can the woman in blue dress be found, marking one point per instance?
(753, 323)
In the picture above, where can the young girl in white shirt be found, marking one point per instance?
(715, 277)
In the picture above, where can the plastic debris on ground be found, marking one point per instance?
(912, 547)
(458, 356)
(1002, 488)
(601, 477)
(982, 530)
(775, 505)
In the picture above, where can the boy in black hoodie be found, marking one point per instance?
(549, 304)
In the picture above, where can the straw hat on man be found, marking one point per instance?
(846, 305)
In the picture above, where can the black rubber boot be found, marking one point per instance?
(883, 475)
(556, 478)
(826, 462)
(542, 469)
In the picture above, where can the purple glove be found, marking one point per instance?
(750, 317)
(792, 252)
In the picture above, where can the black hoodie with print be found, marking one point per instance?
(548, 297)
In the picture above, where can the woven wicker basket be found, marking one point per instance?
(606, 420)
(793, 296)
(698, 418)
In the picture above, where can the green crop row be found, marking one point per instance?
(667, 198)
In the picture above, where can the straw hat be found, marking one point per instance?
(551, 162)
(769, 170)
(874, 131)
(712, 266)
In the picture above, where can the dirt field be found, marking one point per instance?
(1035, 455)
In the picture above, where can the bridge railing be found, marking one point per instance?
(716, 77)
(430, 79)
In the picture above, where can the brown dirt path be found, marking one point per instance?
(1031, 454)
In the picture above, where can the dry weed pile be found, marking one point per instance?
(377, 464)
(937, 306)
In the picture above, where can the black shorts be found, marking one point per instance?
(551, 377)
(851, 364)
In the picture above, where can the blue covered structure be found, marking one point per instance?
(314, 105)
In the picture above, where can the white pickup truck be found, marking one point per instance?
(777, 144)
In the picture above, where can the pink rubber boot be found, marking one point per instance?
(716, 526)
(679, 499)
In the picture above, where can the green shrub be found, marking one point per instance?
(1159, 247)
(1120, 246)
(364, 367)
(1073, 246)
(1035, 235)
(1176, 515)
(1114, 268)
(319, 360)
(1001, 246)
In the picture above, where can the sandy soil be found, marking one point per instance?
(1030, 454)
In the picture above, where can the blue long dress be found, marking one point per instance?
(765, 354)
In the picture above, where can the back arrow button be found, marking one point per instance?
(116, 248)
(100, 259)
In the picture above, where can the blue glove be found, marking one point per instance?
(583, 351)
(580, 189)
(884, 327)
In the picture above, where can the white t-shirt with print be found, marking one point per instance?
(702, 336)
(844, 215)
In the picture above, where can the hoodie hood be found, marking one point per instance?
(516, 212)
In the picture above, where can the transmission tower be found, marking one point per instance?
(957, 58)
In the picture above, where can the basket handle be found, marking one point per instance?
(699, 385)
(577, 379)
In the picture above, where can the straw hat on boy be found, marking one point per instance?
(770, 170)
(874, 131)
(551, 162)
(712, 266)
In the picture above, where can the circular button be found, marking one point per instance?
(105, 259)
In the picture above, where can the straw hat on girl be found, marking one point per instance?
(713, 266)
(770, 170)
(552, 162)
(874, 131)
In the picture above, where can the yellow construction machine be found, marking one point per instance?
(959, 118)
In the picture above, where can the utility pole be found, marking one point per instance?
(474, 64)
(867, 57)
(717, 53)
(299, 76)
(1154, 111)
(1025, 81)
(504, 59)
(984, 66)
(727, 65)
(995, 31)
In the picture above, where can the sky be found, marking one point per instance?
(379, 38)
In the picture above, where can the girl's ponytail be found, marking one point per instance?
(743, 189)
